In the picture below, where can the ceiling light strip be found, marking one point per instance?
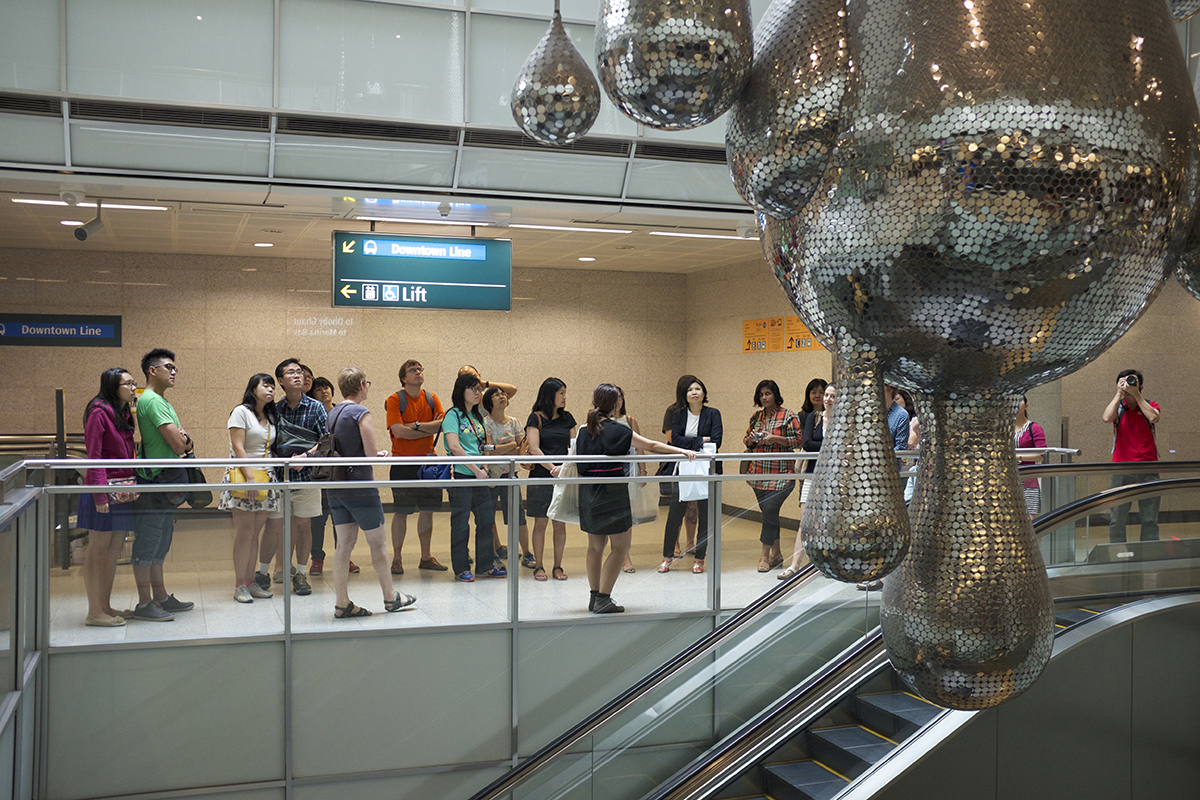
(567, 228)
(107, 206)
(705, 236)
(423, 221)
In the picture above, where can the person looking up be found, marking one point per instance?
(550, 429)
(506, 435)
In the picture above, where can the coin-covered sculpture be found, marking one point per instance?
(673, 64)
(555, 98)
(782, 129)
(1184, 9)
(1012, 182)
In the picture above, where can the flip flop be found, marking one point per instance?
(401, 602)
(349, 611)
(560, 575)
(539, 574)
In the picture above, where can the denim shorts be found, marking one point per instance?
(154, 527)
(359, 506)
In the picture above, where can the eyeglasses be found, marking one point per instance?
(169, 367)
(367, 384)
(131, 385)
(291, 373)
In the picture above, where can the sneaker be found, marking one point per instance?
(300, 585)
(259, 592)
(152, 612)
(242, 594)
(494, 572)
(605, 605)
(501, 552)
(465, 577)
(278, 576)
(173, 606)
(354, 570)
(317, 567)
(262, 580)
(528, 561)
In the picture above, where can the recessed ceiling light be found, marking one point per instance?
(568, 228)
(705, 235)
(263, 244)
(623, 247)
(249, 269)
(71, 222)
(586, 258)
(270, 230)
(423, 221)
(107, 206)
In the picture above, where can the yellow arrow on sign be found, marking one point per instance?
(347, 291)
(348, 247)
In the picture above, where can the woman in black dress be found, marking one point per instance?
(549, 431)
(604, 510)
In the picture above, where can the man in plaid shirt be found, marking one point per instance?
(298, 409)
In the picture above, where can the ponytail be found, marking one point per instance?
(604, 400)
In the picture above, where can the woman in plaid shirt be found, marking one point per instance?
(772, 429)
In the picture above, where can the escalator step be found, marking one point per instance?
(848, 750)
(894, 714)
(802, 780)
(1073, 616)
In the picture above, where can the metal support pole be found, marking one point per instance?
(61, 523)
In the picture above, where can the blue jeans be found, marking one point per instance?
(1147, 510)
(467, 496)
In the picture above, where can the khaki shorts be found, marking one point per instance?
(306, 502)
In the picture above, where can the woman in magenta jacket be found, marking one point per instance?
(108, 433)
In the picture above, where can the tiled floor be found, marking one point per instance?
(198, 569)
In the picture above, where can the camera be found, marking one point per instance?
(1131, 380)
(90, 229)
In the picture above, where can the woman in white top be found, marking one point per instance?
(252, 432)
(505, 434)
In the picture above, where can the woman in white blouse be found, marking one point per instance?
(252, 432)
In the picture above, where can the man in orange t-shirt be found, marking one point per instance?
(414, 416)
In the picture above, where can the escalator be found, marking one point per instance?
(749, 712)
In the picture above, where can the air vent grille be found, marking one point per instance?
(354, 129)
(681, 152)
(163, 115)
(514, 140)
(20, 104)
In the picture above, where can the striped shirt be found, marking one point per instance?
(779, 422)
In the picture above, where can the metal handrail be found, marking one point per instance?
(1042, 526)
(1111, 467)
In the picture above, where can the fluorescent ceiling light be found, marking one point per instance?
(107, 206)
(71, 222)
(263, 244)
(705, 235)
(568, 228)
(423, 221)
(586, 258)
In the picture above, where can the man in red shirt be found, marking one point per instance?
(1133, 419)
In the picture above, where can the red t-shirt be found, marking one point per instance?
(1134, 439)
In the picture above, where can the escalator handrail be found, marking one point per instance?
(687, 657)
(1109, 467)
(1055, 519)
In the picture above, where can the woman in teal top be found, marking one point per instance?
(465, 435)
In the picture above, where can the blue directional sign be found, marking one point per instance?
(377, 270)
(59, 330)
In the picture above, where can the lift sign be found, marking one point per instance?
(373, 270)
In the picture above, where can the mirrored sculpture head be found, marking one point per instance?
(555, 99)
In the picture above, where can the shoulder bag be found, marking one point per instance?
(435, 472)
(327, 448)
(292, 439)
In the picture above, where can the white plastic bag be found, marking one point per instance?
(564, 504)
(693, 490)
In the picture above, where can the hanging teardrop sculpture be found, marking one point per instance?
(555, 99)
(673, 64)
(784, 125)
(855, 524)
(1183, 9)
(968, 619)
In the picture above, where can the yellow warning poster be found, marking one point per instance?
(763, 335)
(798, 337)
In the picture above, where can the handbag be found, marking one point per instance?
(564, 503)
(666, 488)
(435, 472)
(693, 490)
(327, 448)
(293, 439)
(643, 502)
(237, 476)
(197, 498)
(123, 495)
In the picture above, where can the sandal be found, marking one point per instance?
(539, 574)
(698, 566)
(400, 602)
(787, 573)
(559, 575)
(349, 610)
(776, 561)
(665, 566)
(764, 565)
(631, 568)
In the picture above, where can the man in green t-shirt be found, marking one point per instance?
(154, 518)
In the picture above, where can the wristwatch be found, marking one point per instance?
(417, 427)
